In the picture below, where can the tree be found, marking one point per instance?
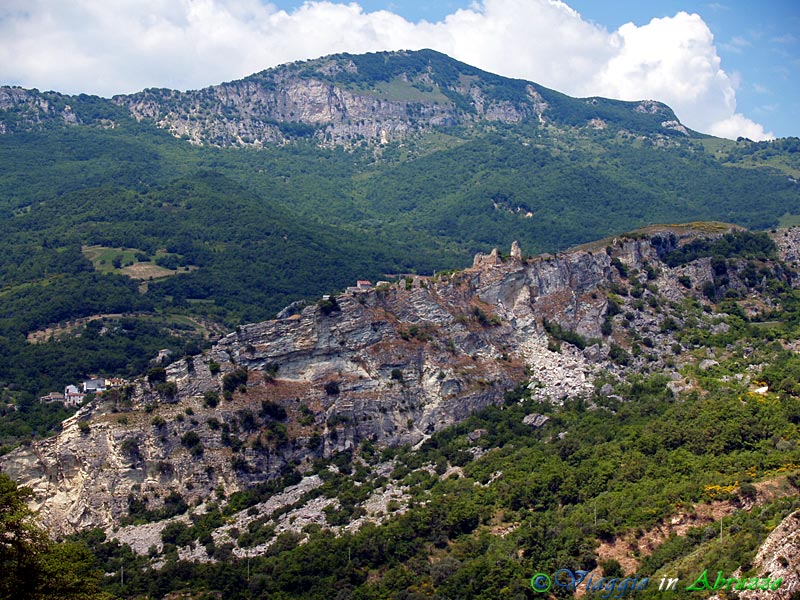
(32, 565)
(20, 540)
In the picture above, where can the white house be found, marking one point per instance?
(73, 396)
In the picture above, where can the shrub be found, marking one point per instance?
(238, 463)
(620, 267)
(315, 441)
(233, 380)
(565, 335)
(210, 399)
(329, 306)
(606, 327)
(191, 440)
(273, 411)
(618, 355)
(614, 305)
(748, 491)
(669, 324)
(270, 371)
(130, 447)
(156, 375)
(168, 389)
(611, 568)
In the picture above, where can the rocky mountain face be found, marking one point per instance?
(341, 100)
(32, 110)
(780, 557)
(381, 367)
(313, 100)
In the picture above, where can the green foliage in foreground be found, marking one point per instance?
(626, 466)
(32, 566)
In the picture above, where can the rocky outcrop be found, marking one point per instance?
(779, 558)
(27, 110)
(308, 101)
(335, 100)
(482, 260)
(386, 366)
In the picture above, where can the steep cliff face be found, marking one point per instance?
(388, 366)
(340, 100)
(309, 100)
(779, 557)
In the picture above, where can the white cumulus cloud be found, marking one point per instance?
(738, 125)
(674, 60)
(107, 47)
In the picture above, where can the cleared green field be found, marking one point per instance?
(124, 261)
(790, 220)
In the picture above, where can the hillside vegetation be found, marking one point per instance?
(683, 457)
(471, 161)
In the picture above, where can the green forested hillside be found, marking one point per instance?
(243, 232)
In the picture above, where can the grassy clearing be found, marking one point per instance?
(103, 257)
(718, 146)
(146, 270)
(398, 90)
(789, 220)
(183, 323)
(126, 261)
(204, 327)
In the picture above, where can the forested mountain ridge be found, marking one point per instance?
(342, 99)
(656, 394)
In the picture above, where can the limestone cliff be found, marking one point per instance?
(312, 100)
(26, 110)
(779, 557)
(340, 100)
(389, 365)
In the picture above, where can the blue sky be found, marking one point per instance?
(726, 67)
(758, 42)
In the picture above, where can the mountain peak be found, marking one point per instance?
(346, 99)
